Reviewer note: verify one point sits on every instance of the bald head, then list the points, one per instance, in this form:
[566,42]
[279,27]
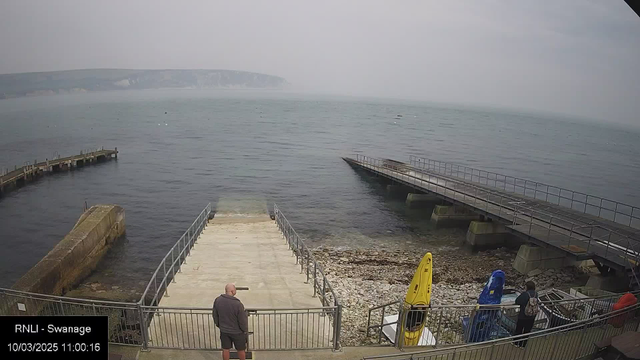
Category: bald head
[230,289]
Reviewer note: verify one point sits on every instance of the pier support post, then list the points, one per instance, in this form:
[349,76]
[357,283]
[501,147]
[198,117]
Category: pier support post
[422,200]
[613,282]
[400,191]
[452,216]
[531,257]
[486,234]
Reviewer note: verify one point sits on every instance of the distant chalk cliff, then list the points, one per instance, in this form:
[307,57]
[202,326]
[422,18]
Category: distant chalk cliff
[75,81]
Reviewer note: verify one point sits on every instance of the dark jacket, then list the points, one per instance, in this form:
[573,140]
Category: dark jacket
[229,315]
[523,300]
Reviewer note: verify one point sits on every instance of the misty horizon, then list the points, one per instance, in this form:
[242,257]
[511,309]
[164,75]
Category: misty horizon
[575,58]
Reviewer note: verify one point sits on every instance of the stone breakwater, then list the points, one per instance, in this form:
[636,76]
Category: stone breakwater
[363,278]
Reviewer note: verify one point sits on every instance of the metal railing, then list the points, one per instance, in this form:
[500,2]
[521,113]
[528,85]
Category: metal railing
[308,264]
[460,324]
[173,260]
[269,329]
[146,325]
[571,341]
[543,224]
[125,321]
[588,204]
[595,237]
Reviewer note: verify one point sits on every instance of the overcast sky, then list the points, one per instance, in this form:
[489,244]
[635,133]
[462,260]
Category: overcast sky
[570,56]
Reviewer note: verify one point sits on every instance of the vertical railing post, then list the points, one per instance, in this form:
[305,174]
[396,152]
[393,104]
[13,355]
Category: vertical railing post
[173,268]
[600,207]
[164,279]
[143,328]
[384,308]
[308,256]
[315,277]
[530,222]
[324,290]
[576,355]
[399,340]
[606,251]
[436,337]
[570,235]
[337,327]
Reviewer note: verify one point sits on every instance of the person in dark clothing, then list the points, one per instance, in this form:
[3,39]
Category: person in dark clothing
[525,321]
[230,317]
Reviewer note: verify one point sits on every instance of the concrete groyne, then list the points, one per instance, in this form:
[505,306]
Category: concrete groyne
[75,256]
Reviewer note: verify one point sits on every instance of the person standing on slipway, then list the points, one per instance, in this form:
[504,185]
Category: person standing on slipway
[230,317]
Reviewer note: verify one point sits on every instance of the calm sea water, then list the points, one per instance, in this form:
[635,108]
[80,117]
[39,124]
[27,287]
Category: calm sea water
[243,150]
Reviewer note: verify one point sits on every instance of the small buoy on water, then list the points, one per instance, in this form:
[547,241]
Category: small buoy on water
[165,112]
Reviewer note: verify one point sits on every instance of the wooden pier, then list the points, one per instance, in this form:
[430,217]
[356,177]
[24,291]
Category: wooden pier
[10,180]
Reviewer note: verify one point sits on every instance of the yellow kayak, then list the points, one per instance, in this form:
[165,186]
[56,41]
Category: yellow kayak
[418,298]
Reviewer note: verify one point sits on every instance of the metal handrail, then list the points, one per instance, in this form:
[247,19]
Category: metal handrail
[553,302]
[183,246]
[494,307]
[477,188]
[302,253]
[560,329]
[246,309]
[297,245]
[538,187]
[478,193]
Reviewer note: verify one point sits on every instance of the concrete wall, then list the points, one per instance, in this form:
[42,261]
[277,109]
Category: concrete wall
[75,256]
[486,234]
[531,257]
[445,215]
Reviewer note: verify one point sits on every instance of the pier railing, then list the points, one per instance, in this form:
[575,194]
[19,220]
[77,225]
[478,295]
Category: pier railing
[460,324]
[308,264]
[269,329]
[571,341]
[539,223]
[173,260]
[588,204]
[124,318]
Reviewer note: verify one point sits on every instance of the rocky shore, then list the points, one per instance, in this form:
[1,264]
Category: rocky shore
[363,278]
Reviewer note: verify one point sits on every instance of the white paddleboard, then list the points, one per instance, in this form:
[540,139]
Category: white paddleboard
[426,339]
